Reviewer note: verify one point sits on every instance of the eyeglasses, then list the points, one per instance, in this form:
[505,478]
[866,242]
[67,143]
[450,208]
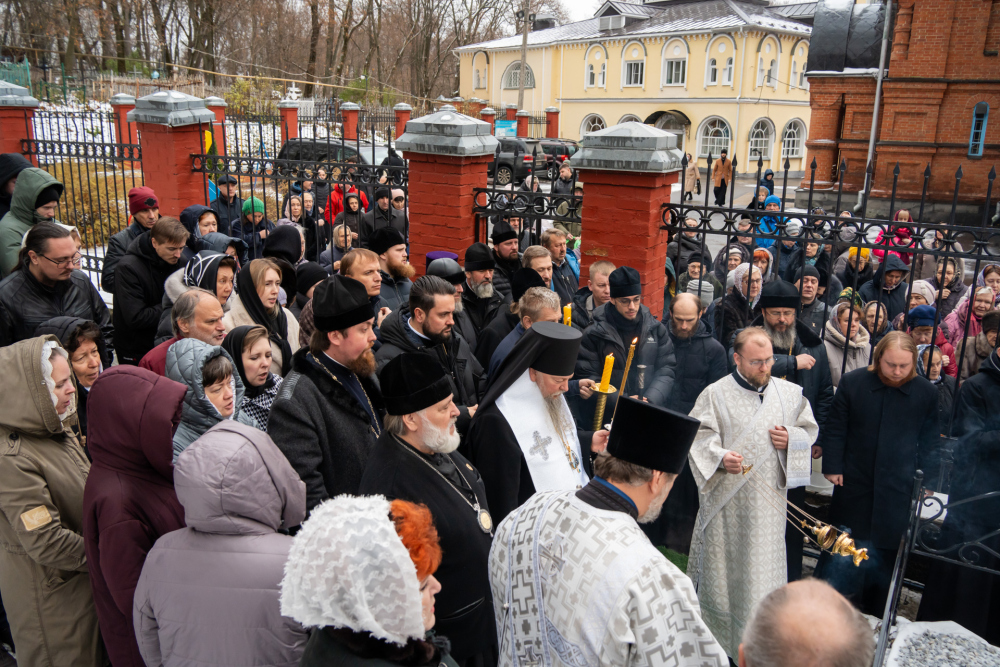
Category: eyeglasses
[63,263]
[759,363]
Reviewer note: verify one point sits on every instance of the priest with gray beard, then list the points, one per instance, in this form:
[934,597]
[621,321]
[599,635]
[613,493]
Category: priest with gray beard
[415,460]
[481,301]
[799,357]
[523,437]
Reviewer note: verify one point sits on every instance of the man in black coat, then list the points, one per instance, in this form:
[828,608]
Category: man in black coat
[381,215]
[228,204]
[813,310]
[46,286]
[139,286]
[415,460]
[888,286]
[506,256]
[687,245]
[497,330]
[144,208]
[701,360]
[881,428]
[425,326]
[616,324]
[11,164]
[328,413]
[481,302]
[594,295]
[800,357]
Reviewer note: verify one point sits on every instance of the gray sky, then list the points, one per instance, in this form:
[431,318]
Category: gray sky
[582,9]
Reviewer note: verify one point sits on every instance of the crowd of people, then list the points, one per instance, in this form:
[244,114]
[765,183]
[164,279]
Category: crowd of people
[310,457]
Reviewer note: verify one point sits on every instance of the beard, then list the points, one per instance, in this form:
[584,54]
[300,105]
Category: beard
[782,340]
[757,381]
[655,507]
[440,440]
[483,290]
[459,306]
[554,407]
[440,338]
[399,269]
[364,365]
[889,382]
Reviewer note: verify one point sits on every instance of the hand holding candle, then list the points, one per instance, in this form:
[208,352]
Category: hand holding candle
[567,315]
[609,363]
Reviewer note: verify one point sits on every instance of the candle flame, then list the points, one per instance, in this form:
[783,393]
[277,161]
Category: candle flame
[635,340]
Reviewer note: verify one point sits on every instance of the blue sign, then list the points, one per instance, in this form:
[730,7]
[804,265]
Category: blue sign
[505,128]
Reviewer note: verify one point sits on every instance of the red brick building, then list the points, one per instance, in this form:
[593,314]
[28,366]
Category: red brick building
[942,82]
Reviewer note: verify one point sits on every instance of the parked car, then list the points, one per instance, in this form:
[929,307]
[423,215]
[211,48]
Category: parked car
[321,150]
[517,157]
[559,150]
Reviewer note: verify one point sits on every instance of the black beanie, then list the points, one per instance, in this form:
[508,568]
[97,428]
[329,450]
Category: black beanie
[308,274]
[502,231]
[807,270]
[382,191]
[48,195]
[384,238]
[779,294]
[479,257]
[625,281]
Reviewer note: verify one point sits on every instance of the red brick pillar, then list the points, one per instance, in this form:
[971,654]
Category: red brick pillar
[17,113]
[170,127]
[552,123]
[125,132]
[349,113]
[447,154]
[403,112]
[488,115]
[476,105]
[629,170]
[522,117]
[289,110]
[217,105]
[824,123]
[511,112]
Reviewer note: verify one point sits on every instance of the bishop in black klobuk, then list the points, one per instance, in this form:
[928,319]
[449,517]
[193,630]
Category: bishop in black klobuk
[523,437]
[415,459]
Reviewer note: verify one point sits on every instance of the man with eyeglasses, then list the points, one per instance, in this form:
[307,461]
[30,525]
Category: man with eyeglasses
[46,286]
[144,208]
[800,357]
[754,442]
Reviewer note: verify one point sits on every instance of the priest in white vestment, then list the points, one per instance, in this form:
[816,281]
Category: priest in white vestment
[523,438]
[575,581]
[738,547]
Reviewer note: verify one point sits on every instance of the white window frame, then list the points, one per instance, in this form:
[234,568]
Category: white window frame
[629,118]
[509,80]
[796,150]
[589,120]
[669,60]
[755,141]
[794,80]
[712,72]
[475,79]
[760,72]
[602,76]
[772,74]
[591,77]
[627,73]
[596,70]
[669,67]
[727,73]
[717,143]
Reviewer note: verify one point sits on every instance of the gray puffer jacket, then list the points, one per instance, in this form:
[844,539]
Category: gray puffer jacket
[208,593]
[185,360]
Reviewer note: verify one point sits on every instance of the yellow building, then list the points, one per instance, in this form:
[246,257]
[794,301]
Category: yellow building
[722,73]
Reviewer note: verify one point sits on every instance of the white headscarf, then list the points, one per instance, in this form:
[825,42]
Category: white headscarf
[347,568]
[48,347]
[738,274]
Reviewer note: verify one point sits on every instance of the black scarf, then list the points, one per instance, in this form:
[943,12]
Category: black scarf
[233,344]
[277,325]
[627,329]
[426,651]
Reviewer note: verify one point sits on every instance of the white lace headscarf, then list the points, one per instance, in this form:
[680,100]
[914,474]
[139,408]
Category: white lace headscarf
[347,568]
[738,274]
[48,347]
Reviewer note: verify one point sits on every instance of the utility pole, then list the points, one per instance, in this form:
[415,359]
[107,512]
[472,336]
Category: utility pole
[525,18]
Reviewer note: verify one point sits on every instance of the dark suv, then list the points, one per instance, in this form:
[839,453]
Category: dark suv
[515,160]
[332,150]
[558,150]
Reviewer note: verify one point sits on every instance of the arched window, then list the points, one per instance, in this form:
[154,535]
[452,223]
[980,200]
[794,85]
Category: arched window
[977,137]
[791,139]
[761,138]
[592,123]
[713,137]
[772,74]
[727,73]
[629,118]
[602,76]
[674,63]
[591,76]
[803,81]
[512,77]
[713,72]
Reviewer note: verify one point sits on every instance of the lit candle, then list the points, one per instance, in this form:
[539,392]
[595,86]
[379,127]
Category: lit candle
[609,363]
[567,315]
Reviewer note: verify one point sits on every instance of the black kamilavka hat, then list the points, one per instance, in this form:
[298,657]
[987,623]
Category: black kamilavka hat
[558,352]
[412,382]
[340,303]
[650,436]
[625,281]
[522,281]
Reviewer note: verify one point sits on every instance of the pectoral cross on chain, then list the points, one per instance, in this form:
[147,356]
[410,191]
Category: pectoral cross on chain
[541,446]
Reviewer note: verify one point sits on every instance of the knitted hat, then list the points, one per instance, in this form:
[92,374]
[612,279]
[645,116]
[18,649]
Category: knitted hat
[921,316]
[625,281]
[412,382]
[808,270]
[773,199]
[141,199]
[853,252]
[479,257]
[924,289]
[991,321]
[502,231]
[382,191]
[253,205]
[384,238]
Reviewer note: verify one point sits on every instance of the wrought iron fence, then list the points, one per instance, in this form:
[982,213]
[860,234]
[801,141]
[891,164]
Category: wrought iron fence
[97,169]
[537,125]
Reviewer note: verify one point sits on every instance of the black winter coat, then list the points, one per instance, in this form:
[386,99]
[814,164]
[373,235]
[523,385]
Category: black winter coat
[25,303]
[494,333]
[250,234]
[321,429]
[229,213]
[701,360]
[682,249]
[654,350]
[877,437]
[464,607]
[895,300]
[138,303]
[456,358]
[561,187]
[478,313]
[583,309]
[732,314]
[502,275]
[377,219]
[117,247]
[395,291]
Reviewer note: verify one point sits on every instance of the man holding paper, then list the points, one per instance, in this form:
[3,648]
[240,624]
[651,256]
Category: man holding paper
[523,438]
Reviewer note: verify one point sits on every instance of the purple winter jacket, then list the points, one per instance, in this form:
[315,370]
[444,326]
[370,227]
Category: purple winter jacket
[208,593]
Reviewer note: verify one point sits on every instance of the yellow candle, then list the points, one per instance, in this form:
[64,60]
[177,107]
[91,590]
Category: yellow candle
[609,363]
[567,315]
